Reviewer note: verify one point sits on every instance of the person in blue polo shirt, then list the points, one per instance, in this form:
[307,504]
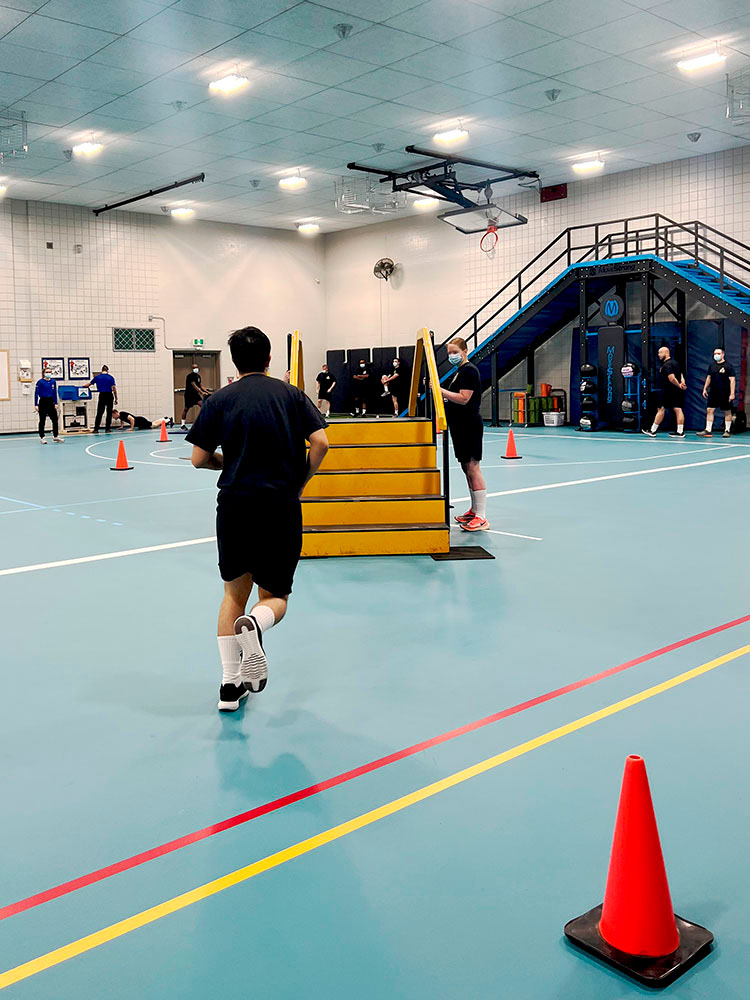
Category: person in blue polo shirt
[107,390]
[46,405]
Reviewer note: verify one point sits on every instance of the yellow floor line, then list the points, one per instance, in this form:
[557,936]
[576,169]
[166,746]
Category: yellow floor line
[154,913]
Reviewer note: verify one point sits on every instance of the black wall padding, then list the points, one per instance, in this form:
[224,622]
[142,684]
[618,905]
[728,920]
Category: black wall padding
[337,366]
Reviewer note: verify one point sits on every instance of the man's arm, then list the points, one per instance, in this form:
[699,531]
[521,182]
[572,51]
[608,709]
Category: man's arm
[461,398]
[203,459]
[114,392]
[706,384]
[732,387]
[674,380]
[131,421]
[318,450]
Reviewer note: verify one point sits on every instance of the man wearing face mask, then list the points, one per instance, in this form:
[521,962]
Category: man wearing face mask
[361,379]
[392,384]
[194,394]
[718,390]
[46,405]
[671,388]
[463,395]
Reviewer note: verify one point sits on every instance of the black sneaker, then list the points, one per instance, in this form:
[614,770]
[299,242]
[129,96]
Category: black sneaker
[726,434]
[253,664]
[230,696]
[676,434]
[648,433]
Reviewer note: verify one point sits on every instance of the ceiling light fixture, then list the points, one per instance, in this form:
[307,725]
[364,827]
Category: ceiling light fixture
[294,182]
[183,212]
[3,189]
[343,30]
[694,136]
[228,84]
[552,94]
[88,148]
[702,62]
[451,136]
[424,204]
[307,228]
[589,166]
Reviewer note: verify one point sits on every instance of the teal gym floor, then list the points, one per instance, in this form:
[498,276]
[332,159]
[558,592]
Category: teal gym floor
[607,548]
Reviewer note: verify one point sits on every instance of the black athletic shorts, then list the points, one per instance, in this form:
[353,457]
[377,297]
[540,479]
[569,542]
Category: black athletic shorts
[467,439]
[191,400]
[672,399]
[326,396]
[717,401]
[260,536]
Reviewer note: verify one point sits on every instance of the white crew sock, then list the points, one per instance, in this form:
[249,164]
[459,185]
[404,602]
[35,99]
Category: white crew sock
[709,425]
[680,429]
[654,428]
[229,651]
[728,423]
[471,506]
[264,616]
[480,503]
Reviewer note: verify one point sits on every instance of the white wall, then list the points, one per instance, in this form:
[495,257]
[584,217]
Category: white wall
[204,278]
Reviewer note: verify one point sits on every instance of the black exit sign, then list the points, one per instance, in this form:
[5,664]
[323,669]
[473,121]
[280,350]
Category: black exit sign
[556,192]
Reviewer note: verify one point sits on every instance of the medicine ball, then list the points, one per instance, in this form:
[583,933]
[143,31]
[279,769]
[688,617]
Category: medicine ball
[587,386]
[587,423]
[588,371]
[629,369]
[630,421]
[588,403]
[628,406]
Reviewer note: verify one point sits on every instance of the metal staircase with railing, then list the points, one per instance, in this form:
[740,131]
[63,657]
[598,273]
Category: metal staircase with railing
[564,282]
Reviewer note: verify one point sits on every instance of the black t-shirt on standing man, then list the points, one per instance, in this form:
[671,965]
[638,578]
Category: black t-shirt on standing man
[325,380]
[720,373]
[192,384]
[467,377]
[669,367]
[262,425]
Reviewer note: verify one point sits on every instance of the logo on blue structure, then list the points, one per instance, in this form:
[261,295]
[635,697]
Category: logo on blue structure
[610,372]
[612,307]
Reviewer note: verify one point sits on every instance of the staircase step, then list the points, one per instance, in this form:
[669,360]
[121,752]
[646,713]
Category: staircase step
[330,483]
[363,430]
[337,511]
[380,456]
[375,540]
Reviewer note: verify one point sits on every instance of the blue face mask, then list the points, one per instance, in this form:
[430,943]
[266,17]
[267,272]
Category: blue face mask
[454,359]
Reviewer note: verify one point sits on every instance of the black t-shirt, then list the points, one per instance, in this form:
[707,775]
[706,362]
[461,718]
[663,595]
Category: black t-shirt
[325,380]
[262,425]
[192,384]
[670,367]
[720,373]
[361,385]
[467,377]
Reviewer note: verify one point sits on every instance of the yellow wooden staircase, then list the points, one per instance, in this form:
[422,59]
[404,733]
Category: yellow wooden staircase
[378,491]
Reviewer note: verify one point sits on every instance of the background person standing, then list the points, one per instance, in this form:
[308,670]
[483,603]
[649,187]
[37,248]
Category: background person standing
[194,393]
[719,389]
[107,390]
[361,379]
[326,384]
[46,405]
[671,388]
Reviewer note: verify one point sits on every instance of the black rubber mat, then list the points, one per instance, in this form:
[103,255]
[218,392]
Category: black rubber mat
[461,552]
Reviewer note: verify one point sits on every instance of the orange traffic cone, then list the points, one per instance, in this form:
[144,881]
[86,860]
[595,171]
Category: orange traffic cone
[163,437]
[635,928]
[121,465]
[510,451]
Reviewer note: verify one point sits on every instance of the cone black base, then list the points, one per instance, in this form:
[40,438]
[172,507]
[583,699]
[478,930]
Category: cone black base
[695,944]
[512,458]
[113,468]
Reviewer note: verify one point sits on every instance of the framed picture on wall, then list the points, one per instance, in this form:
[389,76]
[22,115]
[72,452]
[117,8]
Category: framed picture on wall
[55,367]
[79,368]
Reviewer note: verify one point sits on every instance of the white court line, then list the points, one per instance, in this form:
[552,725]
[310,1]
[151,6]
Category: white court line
[88,503]
[26,502]
[601,461]
[512,534]
[135,461]
[602,479]
[13,570]
[599,438]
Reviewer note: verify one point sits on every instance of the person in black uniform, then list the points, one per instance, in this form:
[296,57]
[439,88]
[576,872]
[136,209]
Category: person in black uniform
[361,380]
[392,385]
[134,423]
[262,426]
[194,393]
[463,395]
[719,389]
[326,385]
[671,394]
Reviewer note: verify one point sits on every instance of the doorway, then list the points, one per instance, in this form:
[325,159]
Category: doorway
[182,363]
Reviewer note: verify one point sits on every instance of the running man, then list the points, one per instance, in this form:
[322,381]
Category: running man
[361,379]
[107,389]
[463,396]
[326,385]
[46,405]
[671,390]
[262,426]
[194,394]
[719,389]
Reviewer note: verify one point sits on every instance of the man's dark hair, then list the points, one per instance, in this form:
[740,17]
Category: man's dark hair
[104,368]
[250,349]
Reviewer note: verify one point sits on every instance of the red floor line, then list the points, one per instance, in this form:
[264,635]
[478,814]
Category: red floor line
[305,793]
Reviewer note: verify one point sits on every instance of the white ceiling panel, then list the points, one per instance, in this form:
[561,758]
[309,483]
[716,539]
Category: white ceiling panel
[119,16]
[9,18]
[494,79]
[186,32]
[294,117]
[364,8]
[146,57]
[588,107]
[612,71]
[386,84]
[436,19]
[337,102]
[534,95]
[252,51]
[45,114]
[696,14]
[75,98]
[300,142]
[633,32]
[254,132]
[323,67]
[443,62]
[345,129]
[58,37]
[309,24]
[12,87]
[570,132]
[440,98]
[381,45]
[557,57]
[111,79]
[505,38]
[32,62]
[245,13]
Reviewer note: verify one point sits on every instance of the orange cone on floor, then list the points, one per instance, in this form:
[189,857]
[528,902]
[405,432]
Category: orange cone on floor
[163,437]
[510,450]
[635,929]
[121,465]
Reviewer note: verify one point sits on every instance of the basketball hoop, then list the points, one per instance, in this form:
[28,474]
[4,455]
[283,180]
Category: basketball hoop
[489,239]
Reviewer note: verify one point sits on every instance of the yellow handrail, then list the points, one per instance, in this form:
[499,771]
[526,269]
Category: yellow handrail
[297,370]
[426,352]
